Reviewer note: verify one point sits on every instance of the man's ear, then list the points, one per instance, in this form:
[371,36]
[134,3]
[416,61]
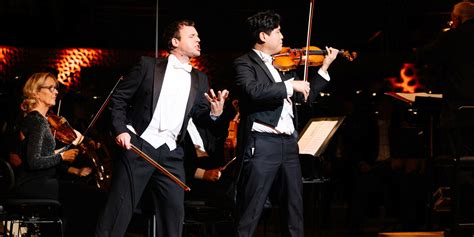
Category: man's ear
[175,42]
[262,36]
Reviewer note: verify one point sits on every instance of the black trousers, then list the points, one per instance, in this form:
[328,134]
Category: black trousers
[267,158]
[130,177]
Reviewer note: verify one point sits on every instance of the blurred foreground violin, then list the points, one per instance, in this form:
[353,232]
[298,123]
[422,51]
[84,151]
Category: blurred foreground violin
[289,59]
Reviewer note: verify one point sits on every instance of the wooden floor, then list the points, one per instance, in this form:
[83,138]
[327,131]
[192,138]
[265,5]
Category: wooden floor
[332,224]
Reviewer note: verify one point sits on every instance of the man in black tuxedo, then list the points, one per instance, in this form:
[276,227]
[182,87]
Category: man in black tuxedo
[267,145]
[151,109]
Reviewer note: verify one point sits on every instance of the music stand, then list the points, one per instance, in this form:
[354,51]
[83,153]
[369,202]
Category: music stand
[428,104]
[315,137]
[313,141]
[317,134]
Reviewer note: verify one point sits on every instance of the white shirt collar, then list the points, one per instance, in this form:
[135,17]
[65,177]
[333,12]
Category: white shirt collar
[173,60]
[265,57]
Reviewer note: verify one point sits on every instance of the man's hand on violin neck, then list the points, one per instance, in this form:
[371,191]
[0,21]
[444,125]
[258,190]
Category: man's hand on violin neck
[329,58]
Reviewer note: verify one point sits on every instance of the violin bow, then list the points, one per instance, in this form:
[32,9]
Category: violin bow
[308,39]
[102,107]
[228,163]
[159,167]
[59,108]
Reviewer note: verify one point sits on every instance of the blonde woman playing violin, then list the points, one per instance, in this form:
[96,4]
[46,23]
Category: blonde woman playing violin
[40,162]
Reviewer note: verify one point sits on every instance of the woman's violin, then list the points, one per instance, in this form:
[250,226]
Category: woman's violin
[289,59]
[61,129]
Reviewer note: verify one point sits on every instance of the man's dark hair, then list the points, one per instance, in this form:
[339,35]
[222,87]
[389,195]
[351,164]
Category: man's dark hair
[265,21]
[172,31]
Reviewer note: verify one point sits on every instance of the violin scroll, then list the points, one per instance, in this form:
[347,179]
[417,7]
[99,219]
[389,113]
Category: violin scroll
[348,55]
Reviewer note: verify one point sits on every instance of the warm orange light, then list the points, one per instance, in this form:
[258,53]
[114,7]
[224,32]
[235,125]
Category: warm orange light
[71,61]
[7,57]
[408,81]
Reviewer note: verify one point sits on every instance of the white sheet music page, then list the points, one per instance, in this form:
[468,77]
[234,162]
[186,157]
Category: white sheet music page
[314,136]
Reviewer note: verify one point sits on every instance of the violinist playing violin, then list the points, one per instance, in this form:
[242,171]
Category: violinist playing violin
[267,140]
[41,163]
[40,159]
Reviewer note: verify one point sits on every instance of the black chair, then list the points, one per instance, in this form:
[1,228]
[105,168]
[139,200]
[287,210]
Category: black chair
[29,213]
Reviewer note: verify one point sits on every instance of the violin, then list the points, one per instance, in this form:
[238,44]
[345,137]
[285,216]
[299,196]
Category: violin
[103,169]
[61,129]
[289,59]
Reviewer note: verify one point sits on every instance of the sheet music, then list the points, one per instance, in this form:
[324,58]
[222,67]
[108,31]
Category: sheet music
[315,135]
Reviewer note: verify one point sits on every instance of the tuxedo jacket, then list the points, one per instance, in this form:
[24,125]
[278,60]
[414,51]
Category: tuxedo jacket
[260,98]
[136,97]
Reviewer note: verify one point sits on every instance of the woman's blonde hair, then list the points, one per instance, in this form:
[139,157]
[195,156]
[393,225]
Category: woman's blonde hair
[32,86]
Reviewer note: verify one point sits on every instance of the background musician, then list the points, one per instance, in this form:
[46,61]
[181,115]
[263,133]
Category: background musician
[450,56]
[37,175]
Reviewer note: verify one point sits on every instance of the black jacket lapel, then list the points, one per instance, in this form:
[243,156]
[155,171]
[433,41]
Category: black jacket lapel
[193,91]
[259,61]
[160,69]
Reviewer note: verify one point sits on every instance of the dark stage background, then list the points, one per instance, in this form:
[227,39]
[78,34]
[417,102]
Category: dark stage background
[91,43]
[383,33]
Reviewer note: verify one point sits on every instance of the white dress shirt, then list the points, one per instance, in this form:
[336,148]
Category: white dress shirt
[285,123]
[168,116]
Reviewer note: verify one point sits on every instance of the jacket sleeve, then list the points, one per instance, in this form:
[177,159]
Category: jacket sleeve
[35,156]
[123,95]
[257,89]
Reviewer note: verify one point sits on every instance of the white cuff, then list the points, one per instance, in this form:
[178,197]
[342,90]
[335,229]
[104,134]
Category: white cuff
[214,117]
[324,74]
[199,174]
